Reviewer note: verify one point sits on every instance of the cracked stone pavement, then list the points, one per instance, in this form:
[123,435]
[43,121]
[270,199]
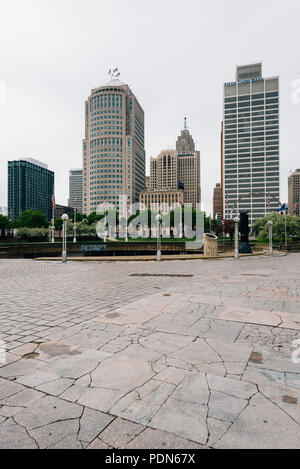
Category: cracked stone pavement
[97,358]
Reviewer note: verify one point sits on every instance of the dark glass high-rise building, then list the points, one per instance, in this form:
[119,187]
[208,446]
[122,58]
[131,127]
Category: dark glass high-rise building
[30,187]
[250,142]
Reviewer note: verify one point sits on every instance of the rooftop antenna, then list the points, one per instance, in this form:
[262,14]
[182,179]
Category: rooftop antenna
[185,124]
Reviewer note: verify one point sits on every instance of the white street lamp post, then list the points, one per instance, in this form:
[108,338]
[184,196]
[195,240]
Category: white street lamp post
[126,221]
[75,227]
[285,229]
[158,219]
[64,218]
[181,221]
[236,237]
[270,223]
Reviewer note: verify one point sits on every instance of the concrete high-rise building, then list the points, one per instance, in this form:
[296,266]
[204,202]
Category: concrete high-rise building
[163,171]
[250,164]
[188,168]
[30,187]
[217,201]
[113,148]
[294,193]
[222,171]
[163,200]
[75,188]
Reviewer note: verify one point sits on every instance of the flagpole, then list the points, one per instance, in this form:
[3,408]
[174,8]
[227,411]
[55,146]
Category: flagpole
[285,231]
[52,240]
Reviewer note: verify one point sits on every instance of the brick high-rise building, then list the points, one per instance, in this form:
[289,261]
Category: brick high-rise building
[30,187]
[251,143]
[113,148]
[217,201]
[294,193]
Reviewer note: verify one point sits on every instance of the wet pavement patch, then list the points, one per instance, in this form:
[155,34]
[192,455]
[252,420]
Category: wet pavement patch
[30,356]
[56,350]
[255,275]
[112,315]
[256,357]
[162,275]
[290,400]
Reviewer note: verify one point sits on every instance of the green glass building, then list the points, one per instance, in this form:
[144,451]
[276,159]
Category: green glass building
[30,187]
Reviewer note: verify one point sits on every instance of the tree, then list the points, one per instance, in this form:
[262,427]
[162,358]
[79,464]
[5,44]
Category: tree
[79,216]
[260,227]
[4,225]
[4,222]
[93,218]
[58,224]
[31,219]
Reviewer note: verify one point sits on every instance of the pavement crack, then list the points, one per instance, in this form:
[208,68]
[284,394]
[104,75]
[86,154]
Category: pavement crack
[27,432]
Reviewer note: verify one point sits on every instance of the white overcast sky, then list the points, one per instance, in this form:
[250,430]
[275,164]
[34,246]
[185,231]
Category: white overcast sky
[175,55]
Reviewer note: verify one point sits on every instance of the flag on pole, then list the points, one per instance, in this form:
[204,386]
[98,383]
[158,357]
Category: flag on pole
[268,199]
[53,202]
[283,208]
[75,203]
[296,205]
[227,201]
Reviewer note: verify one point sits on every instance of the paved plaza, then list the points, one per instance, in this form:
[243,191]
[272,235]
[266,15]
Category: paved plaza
[178,354]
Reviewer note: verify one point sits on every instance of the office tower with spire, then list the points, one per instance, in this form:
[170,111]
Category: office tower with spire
[250,165]
[178,170]
[188,167]
[113,148]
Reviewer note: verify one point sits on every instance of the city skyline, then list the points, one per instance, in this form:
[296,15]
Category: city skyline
[51,96]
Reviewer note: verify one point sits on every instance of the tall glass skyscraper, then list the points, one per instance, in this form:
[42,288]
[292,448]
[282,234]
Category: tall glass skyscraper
[113,148]
[30,187]
[250,160]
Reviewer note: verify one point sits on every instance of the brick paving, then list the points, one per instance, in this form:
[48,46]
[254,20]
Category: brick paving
[99,358]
